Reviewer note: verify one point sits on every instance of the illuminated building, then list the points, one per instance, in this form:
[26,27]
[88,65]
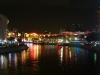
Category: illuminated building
[15,32]
[3,26]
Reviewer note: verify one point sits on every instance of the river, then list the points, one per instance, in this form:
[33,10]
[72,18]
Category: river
[50,60]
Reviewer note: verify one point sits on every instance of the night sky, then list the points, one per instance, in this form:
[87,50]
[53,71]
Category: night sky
[51,15]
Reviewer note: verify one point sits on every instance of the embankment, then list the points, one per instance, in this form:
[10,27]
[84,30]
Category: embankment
[13,49]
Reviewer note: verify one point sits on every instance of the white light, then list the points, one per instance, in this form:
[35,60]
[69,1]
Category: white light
[75,34]
[9,59]
[70,54]
[66,41]
[61,40]
[5,40]
[2,60]
[70,38]
[76,38]
[15,40]
[61,55]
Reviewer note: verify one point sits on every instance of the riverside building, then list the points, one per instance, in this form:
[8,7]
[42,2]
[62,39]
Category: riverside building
[3,26]
[97,20]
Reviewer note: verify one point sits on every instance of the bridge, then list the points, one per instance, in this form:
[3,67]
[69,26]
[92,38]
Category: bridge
[64,37]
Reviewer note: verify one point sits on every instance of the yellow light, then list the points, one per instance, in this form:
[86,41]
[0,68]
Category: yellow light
[44,35]
[19,34]
[40,39]
[27,35]
[48,35]
[9,33]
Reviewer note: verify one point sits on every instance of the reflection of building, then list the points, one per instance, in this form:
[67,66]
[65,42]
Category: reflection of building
[3,26]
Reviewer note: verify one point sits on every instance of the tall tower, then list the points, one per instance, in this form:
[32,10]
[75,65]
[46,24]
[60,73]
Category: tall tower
[98,20]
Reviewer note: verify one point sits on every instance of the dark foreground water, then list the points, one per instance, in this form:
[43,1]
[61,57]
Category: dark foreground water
[50,60]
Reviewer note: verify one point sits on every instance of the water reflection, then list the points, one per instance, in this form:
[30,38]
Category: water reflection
[50,60]
[12,59]
[74,59]
[3,62]
[61,55]
[95,58]
[35,52]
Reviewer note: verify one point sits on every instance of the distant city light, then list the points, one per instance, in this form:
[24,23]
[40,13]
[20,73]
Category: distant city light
[76,38]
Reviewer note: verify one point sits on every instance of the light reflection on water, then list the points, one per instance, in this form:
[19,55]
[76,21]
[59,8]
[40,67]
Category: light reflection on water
[50,60]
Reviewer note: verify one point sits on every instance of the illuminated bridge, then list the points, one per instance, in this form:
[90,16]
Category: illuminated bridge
[64,37]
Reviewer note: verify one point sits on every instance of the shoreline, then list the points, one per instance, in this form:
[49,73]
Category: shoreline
[13,49]
[92,48]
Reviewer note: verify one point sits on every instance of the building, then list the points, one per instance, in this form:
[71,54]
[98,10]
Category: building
[3,26]
[98,20]
[78,27]
[74,27]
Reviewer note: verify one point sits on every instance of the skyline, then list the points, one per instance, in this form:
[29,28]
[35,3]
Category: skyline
[38,16]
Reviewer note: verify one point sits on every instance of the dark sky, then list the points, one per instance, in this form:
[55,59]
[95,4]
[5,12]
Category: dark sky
[50,15]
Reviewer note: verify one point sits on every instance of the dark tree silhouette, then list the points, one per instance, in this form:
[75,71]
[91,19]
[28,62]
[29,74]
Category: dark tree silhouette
[93,37]
[11,38]
[19,40]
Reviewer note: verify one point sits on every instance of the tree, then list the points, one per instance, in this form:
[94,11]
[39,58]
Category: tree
[11,39]
[93,37]
[19,40]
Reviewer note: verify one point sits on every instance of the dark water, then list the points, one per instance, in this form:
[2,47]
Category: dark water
[50,60]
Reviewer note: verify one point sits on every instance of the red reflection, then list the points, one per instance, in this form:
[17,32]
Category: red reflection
[34,52]
[23,56]
[59,47]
